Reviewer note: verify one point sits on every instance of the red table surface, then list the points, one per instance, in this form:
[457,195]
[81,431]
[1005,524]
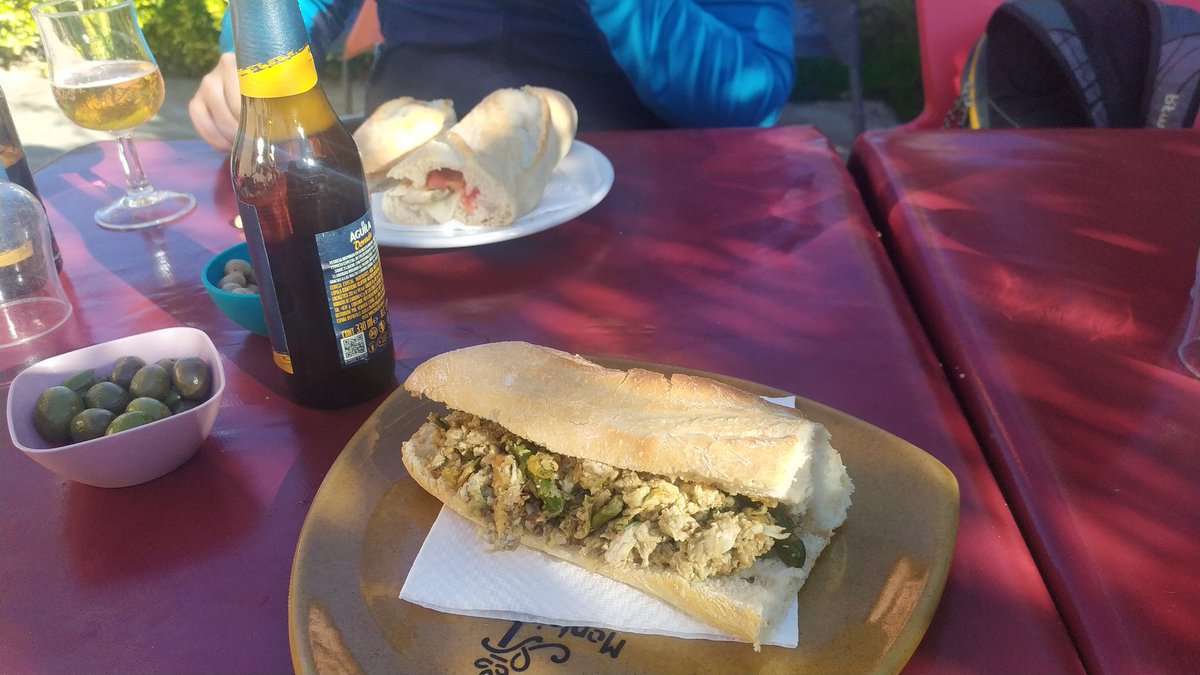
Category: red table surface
[744,252]
[1052,269]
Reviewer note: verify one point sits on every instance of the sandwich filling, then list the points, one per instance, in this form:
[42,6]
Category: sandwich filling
[443,190]
[624,517]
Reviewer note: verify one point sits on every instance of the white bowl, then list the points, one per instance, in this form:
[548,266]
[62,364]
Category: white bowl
[132,456]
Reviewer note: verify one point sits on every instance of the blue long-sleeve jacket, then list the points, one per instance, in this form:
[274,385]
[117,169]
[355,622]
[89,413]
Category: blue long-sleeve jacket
[700,63]
[694,63]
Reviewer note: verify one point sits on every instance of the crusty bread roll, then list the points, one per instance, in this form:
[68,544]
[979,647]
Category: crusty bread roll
[563,116]
[395,129]
[680,428]
[489,169]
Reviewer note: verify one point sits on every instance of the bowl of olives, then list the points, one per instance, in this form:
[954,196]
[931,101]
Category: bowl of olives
[122,412]
[229,280]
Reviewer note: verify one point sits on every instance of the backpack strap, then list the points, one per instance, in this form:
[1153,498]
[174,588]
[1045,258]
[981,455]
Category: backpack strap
[970,109]
[1172,93]
[1116,35]
[1048,24]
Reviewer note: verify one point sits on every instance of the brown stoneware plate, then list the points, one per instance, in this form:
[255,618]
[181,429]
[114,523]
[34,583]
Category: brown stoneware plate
[864,609]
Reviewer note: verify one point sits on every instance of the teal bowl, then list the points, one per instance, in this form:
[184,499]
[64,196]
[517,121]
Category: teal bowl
[245,310]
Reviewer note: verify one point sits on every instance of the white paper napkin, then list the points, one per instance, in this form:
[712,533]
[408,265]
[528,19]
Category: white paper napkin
[456,572]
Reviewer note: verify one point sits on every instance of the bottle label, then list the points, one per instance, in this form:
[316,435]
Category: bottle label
[287,75]
[9,156]
[354,289]
[266,286]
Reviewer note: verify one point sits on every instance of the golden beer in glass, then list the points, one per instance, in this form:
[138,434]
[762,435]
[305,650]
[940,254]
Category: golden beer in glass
[110,96]
[104,77]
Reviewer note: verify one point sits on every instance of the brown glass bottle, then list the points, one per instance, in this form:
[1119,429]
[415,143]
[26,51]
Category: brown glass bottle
[16,165]
[302,196]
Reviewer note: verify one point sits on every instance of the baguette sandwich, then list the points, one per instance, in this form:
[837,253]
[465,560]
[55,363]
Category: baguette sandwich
[488,169]
[700,494]
[395,129]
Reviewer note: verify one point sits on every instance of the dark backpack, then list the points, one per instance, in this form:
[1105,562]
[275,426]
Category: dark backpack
[1083,63]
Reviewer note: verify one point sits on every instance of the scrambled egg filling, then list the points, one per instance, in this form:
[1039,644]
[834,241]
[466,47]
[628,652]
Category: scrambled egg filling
[625,517]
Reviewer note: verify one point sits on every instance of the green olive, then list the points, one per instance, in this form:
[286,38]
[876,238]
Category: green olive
[127,421]
[153,407]
[90,423]
[790,550]
[81,381]
[150,381]
[611,509]
[192,377]
[107,395]
[167,364]
[184,405]
[172,398]
[53,412]
[125,368]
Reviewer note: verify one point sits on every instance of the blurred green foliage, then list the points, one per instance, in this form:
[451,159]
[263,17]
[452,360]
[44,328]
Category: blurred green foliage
[891,61]
[181,33]
[820,79]
[892,57]
[18,35]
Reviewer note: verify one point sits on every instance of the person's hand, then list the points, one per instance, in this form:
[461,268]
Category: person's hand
[217,105]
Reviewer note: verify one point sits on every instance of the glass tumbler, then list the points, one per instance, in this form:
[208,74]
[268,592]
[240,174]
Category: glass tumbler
[1189,348]
[32,299]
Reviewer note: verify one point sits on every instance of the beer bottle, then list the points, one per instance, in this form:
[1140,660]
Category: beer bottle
[303,200]
[16,165]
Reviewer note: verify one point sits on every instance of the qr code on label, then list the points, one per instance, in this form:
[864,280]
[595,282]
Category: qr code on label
[354,347]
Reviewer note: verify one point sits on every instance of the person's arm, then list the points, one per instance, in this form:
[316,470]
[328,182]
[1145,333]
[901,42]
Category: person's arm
[699,63]
[217,104]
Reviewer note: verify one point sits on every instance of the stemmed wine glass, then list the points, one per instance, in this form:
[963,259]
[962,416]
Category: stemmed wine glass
[104,77]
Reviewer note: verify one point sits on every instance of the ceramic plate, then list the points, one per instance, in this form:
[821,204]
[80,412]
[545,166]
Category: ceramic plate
[865,607]
[578,183]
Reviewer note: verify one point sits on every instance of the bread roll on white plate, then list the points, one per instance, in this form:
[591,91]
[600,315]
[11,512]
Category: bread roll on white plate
[489,169]
[395,129]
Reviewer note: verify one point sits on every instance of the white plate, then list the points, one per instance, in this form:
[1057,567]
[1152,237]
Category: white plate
[578,183]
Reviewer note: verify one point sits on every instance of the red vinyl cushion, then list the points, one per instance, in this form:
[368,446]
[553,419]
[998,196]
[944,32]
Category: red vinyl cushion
[1052,270]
